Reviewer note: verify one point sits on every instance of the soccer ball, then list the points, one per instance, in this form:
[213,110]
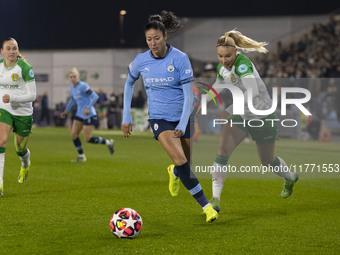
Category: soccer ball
[126,223]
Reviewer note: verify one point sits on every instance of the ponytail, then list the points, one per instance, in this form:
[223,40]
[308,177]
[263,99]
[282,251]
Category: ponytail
[235,39]
[166,22]
[22,57]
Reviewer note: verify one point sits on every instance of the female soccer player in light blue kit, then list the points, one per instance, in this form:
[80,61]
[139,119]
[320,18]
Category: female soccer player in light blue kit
[167,76]
[86,116]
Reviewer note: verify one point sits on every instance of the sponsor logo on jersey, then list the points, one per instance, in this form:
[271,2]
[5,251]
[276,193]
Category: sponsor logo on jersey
[188,71]
[15,77]
[171,68]
[5,86]
[242,68]
[160,81]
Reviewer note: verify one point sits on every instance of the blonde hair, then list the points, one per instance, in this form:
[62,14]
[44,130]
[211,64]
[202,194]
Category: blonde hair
[22,57]
[75,71]
[234,38]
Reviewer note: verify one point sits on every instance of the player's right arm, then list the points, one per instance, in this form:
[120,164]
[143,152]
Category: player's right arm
[219,81]
[128,94]
[67,108]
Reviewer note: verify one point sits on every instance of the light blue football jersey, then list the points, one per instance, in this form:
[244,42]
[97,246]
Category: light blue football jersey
[163,79]
[81,95]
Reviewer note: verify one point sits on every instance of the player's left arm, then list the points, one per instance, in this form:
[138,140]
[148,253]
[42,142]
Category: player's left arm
[93,97]
[244,69]
[187,108]
[249,81]
[186,78]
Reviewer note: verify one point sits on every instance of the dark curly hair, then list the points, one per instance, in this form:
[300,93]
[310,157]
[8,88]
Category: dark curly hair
[166,22]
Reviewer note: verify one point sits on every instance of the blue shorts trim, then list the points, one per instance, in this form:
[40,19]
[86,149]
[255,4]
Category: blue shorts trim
[160,125]
[92,121]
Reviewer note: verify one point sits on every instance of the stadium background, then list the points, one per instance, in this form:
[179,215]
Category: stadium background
[94,37]
[64,208]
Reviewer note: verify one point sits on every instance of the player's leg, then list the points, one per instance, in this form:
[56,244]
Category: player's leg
[87,131]
[24,154]
[5,130]
[173,177]
[22,126]
[267,157]
[265,138]
[182,169]
[102,117]
[231,137]
[187,145]
[77,126]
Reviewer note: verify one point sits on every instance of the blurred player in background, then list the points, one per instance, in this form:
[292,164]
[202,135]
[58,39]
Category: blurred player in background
[236,69]
[167,76]
[17,92]
[102,109]
[86,116]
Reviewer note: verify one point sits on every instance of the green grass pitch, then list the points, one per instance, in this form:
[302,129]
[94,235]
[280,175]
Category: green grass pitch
[65,208]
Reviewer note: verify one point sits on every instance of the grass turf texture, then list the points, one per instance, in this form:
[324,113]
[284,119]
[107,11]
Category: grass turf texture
[65,208]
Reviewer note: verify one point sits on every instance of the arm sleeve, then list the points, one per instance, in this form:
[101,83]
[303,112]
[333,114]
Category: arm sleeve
[29,96]
[249,81]
[187,109]
[69,104]
[128,93]
[93,99]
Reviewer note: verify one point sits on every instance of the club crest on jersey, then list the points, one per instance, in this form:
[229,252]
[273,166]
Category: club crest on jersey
[15,77]
[155,126]
[171,68]
[233,78]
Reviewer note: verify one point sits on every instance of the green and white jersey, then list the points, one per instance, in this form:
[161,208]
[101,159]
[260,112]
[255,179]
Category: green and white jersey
[17,81]
[243,67]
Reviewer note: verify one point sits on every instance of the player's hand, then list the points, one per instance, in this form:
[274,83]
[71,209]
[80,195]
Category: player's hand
[5,98]
[87,111]
[63,115]
[178,133]
[127,129]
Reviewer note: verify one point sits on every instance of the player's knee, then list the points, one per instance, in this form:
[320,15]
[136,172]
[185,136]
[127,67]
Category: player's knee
[3,142]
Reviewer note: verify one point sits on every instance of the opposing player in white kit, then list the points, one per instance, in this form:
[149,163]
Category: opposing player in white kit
[17,92]
[236,69]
